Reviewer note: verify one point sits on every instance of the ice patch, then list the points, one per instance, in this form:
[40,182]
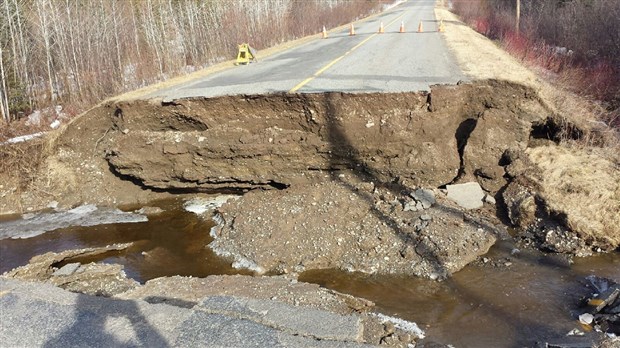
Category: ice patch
[219,222]
[404,325]
[239,262]
[243,263]
[83,209]
[31,225]
[200,206]
[23,138]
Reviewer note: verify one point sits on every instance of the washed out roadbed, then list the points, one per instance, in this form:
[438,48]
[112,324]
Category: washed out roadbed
[362,182]
[330,177]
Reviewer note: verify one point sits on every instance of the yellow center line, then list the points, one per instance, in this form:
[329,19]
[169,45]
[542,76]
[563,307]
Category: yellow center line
[330,64]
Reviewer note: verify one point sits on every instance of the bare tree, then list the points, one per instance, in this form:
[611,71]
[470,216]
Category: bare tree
[4,101]
[518,15]
[42,12]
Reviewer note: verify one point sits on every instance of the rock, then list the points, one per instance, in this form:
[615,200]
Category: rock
[468,195]
[494,132]
[419,206]
[561,240]
[491,178]
[410,206]
[424,196]
[521,204]
[586,318]
[67,269]
[489,199]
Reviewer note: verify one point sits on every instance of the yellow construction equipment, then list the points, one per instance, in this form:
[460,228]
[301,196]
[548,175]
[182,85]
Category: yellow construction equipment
[246,54]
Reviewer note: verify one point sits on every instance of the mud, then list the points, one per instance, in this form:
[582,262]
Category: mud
[65,271]
[279,140]
[361,154]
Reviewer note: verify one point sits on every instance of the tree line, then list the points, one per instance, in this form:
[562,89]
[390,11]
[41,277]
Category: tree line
[80,51]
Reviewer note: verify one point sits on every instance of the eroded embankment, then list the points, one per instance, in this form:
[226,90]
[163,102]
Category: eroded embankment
[279,140]
[358,157]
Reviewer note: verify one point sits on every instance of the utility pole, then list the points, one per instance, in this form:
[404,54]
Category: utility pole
[518,16]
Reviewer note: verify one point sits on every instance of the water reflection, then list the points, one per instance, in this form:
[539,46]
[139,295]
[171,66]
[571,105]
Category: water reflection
[171,243]
[484,305]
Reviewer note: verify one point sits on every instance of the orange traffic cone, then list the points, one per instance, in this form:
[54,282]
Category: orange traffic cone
[381,29]
[324,33]
[402,27]
[352,31]
[441,27]
[420,28]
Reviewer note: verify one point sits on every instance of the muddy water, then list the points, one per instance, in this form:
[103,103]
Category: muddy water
[171,243]
[511,300]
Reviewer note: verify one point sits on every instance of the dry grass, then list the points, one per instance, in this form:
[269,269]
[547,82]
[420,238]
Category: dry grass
[585,187]
[19,168]
[21,161]
[580,178]
[480,58]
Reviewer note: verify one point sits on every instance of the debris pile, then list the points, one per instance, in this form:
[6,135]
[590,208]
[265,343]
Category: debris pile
[604,306]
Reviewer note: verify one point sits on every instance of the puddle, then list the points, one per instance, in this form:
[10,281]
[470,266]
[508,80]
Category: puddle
[484,305]
[171,243]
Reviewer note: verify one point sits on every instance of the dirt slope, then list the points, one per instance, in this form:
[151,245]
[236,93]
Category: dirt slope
[276,141]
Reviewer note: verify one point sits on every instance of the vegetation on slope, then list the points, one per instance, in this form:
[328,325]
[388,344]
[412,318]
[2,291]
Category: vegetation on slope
[576,41]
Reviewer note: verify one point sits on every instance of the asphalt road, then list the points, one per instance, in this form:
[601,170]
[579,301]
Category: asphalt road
[365,62]
[41,315]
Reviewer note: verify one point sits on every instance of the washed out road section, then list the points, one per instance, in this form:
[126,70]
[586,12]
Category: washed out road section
[365,62]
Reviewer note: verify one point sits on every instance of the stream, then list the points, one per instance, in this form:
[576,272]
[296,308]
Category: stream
[510,298]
